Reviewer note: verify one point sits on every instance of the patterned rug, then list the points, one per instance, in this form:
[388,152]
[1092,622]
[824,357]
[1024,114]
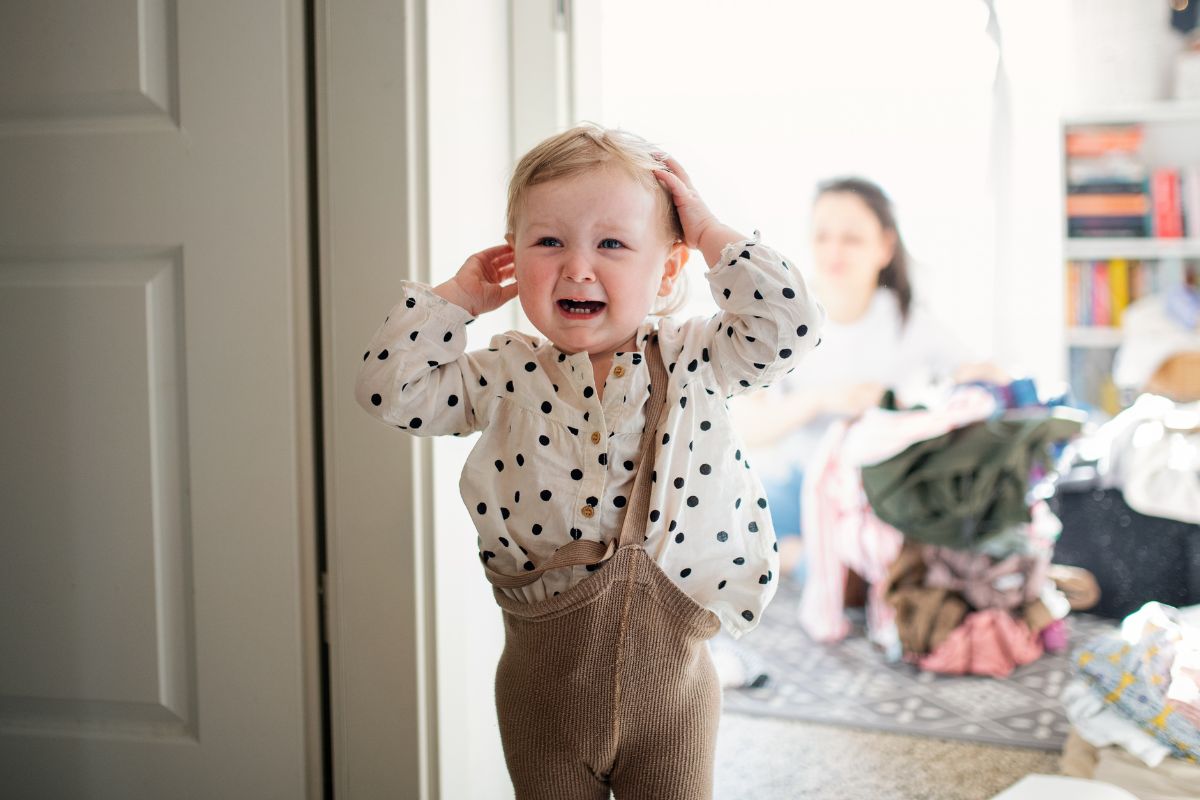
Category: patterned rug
[849,683]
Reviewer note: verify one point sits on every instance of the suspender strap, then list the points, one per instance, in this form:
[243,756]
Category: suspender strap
[633,529]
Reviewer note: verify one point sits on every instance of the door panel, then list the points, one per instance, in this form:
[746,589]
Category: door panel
[157,590]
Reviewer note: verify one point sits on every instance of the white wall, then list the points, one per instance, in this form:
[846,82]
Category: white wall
[762,102]
[469,146]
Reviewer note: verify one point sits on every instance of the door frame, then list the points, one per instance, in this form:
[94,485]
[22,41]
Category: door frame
[372,125]
[372,200]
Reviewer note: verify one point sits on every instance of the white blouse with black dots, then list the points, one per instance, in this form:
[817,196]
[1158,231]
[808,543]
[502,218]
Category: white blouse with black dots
[555,462]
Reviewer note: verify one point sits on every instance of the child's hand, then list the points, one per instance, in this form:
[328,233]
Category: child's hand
[477,285]
[701,229]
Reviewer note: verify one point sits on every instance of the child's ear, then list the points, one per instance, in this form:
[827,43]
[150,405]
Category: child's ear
[676,260]
[508,237]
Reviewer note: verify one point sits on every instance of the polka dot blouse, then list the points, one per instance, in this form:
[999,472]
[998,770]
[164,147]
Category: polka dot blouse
[556,463]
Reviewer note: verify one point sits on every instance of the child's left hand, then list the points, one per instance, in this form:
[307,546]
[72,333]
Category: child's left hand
[701,229]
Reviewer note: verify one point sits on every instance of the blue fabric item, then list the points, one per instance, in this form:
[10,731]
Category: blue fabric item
[1183,306]
[783,500]
[1024,392]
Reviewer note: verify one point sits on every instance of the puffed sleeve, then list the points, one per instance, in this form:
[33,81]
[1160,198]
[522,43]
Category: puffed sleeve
[415,374]
[768,320]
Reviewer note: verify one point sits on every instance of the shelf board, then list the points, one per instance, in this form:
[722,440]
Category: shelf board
[1082,248]
[1160,111]
[1093,337]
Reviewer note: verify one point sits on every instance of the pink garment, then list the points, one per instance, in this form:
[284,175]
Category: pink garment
[840,530]
[989,642]
[1054,637]
[983,581]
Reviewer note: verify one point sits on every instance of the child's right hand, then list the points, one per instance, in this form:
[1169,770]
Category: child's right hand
[477,285]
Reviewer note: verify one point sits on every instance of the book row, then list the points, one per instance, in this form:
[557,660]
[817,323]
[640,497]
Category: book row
[1098,292]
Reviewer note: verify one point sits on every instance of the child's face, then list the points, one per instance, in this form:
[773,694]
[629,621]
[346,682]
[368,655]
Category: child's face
[592,254]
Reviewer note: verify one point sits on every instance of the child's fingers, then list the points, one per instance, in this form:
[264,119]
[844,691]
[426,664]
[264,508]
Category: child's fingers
[494,251]
[674,185]
[498,273]
[677,169]
[508,292]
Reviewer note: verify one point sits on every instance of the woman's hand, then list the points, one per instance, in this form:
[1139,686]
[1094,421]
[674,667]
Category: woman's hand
[701,229]
[479,286]
[854,400]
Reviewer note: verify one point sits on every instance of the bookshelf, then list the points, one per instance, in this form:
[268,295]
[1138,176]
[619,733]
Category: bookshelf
[1131,176]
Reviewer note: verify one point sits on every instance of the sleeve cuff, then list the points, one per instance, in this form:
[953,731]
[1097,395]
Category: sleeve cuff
[439,307]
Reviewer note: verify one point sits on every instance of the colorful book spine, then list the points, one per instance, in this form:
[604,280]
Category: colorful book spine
[1108,185]
[1107,205]
[1118,289]
[1168,212]
[1085,295]
[1101,306]
[1092,227]
[1072,293]
[1140,282]
[1101,140]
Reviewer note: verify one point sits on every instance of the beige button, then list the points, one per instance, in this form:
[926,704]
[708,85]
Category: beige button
[618,370]
[587,511]
[595,437]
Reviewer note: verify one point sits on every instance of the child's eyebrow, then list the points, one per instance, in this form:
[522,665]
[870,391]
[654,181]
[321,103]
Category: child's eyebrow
[605,227]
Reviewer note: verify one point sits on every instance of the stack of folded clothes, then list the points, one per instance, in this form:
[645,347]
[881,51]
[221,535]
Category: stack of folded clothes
[1134,705]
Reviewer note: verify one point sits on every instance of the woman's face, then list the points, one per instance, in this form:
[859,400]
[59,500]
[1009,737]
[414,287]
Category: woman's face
[850,246]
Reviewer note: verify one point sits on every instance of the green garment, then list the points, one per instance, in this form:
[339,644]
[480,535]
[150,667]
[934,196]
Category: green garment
[960,488]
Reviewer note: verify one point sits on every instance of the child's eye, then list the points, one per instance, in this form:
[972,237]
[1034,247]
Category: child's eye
[610,244]
[548,241]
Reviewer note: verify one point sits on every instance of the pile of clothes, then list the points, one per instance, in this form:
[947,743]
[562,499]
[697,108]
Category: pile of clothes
[1151,452]
[934,507]
[1134,705]
[1129,500]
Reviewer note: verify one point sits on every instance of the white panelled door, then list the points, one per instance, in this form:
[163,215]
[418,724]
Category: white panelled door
[156,515]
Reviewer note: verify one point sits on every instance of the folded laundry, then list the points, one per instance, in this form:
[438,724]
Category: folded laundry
[1101,725]
[1148,672]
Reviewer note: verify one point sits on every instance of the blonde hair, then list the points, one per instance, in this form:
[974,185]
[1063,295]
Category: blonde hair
[589,146]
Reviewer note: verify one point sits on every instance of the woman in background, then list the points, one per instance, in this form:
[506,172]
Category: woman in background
[876,338]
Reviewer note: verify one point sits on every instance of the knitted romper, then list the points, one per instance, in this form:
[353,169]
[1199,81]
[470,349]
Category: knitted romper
[610,684]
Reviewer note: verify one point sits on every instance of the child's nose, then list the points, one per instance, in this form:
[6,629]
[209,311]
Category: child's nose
[578,268]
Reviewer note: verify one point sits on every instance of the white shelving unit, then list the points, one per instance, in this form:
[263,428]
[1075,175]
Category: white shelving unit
[1171,138]
[1084,249]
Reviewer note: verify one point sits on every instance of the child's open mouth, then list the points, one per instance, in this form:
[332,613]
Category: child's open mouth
[581,308]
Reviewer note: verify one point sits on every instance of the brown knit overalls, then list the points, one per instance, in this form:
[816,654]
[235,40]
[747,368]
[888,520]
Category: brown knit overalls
[610,684]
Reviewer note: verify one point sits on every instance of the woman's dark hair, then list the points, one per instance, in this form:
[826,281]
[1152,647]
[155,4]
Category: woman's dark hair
[895,275]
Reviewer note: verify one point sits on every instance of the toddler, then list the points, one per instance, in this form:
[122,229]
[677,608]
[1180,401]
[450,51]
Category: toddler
[618,519]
